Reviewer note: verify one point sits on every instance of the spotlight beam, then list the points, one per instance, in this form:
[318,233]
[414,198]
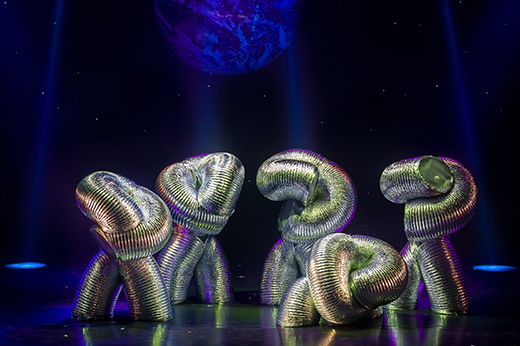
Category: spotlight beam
[466,128]
[36,187]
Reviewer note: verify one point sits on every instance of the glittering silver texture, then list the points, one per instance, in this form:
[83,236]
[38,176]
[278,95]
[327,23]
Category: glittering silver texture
[212,274]
[409,299]
[428,220]
[132,223]
[349,278]
[280,271]
[422,176]
[201,192]
[297,308]
[443,277]
[324,194]
[177,262]
[319,199]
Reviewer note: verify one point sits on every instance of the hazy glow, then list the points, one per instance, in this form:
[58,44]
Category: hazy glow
[25,265]
[494,268]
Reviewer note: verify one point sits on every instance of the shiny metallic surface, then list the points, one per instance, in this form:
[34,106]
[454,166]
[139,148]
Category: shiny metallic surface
[428,218]
[137,221]
[98,290]
[443,276]
[297,308]
[409,299]
[422,176]
[319,199]
[133,223]
[201,192]
[380,275]
[280,271]
[177,261]
[322,188]
[303,252]
[427,222]
[145,291]
[351,276]
[212,274]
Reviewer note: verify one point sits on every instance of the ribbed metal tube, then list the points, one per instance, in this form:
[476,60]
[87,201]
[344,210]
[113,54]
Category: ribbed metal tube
[98,290]
[422,176]
[212,274]
[380,275]
[202,191]
[280,271]
[350,276]
[409,299]
[132,224]
[297,308]
[132,221]
[443,276]
[324,194]
[145,290]
[177,261]
[428,218]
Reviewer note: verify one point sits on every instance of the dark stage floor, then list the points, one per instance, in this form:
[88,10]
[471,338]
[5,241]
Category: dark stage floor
[36,306]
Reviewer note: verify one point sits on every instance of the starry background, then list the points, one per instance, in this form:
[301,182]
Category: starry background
[93,86]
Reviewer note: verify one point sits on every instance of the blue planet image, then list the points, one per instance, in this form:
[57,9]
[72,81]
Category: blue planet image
[228,36]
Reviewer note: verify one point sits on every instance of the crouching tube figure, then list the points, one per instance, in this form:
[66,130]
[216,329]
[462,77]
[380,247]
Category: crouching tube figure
[132,223]
[343,277]
[201,192]
[440,196]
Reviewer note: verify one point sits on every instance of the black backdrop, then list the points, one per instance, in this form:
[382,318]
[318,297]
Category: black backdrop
[376,82]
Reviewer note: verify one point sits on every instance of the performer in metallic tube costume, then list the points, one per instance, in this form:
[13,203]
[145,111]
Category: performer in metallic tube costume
[343,277]
[319,199]
[132,223]
[201,192]
[440,196]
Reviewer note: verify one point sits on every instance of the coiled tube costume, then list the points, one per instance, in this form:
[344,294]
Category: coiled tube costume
[319,199]
[132,223]
[344,277]
[440,196]
[201,192]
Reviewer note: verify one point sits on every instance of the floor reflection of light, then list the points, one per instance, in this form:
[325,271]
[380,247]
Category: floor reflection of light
[494,268]
[25,265]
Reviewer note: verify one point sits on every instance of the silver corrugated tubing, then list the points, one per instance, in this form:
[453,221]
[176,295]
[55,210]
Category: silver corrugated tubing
[177,262]
[430,217]
[201,192]
[280,271]
[132,223]
[323,195]
[297,308]
[319,199]
[212,274]
[352,276]
[98,289]
[443,277]
[409,299]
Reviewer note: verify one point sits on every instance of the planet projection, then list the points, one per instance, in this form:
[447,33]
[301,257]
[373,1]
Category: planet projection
[228,36]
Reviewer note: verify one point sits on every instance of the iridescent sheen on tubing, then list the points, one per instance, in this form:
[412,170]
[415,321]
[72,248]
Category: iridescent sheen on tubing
[319,199]
[431,215]
[348,278]
[201,192]
[132,223]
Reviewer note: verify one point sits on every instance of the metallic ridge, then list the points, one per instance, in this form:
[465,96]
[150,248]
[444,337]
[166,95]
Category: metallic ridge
[428,220]
[132,223]
[201,192]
